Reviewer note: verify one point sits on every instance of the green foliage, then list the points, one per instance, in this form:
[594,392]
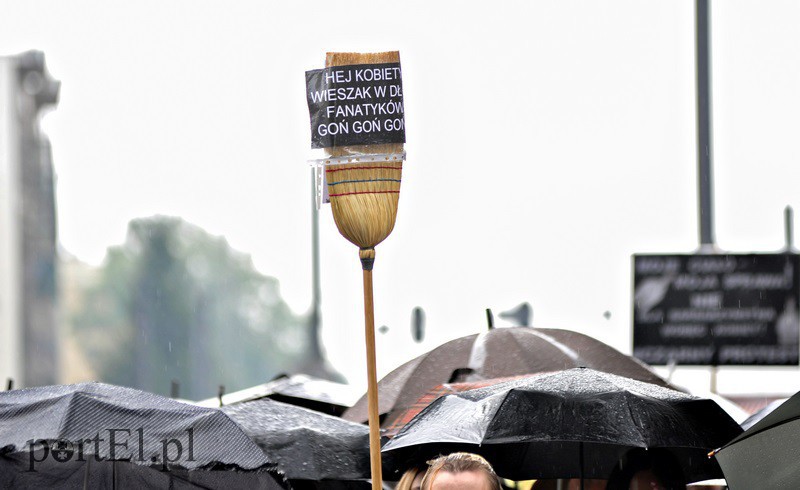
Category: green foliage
[174,302]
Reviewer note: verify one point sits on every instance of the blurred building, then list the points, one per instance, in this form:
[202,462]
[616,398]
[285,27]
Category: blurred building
[28,334]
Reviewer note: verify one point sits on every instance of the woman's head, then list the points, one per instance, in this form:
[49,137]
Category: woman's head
[460,470]
[412,478]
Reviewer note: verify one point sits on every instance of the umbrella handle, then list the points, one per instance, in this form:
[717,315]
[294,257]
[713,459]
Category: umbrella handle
[372,384]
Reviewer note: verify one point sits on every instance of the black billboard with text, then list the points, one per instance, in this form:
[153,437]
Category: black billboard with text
[725,309]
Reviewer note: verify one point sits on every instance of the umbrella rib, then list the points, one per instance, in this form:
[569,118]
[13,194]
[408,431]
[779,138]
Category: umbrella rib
[633,422]
[477,353]
[570,352]
[70,401]
[495,411]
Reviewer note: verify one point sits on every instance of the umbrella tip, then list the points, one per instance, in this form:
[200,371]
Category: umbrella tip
[220,392]
[489,318]
[175,389]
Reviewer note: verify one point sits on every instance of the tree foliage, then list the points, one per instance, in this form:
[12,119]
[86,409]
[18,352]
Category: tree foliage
[175,303]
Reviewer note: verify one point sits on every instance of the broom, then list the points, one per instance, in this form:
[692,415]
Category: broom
[364,193]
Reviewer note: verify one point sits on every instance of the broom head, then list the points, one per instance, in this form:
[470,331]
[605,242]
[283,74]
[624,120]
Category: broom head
[364,192]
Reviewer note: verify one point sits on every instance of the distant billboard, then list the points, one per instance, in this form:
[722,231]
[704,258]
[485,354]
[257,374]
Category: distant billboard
[721,309]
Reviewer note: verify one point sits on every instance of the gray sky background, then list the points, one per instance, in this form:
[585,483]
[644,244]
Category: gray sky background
[547,142]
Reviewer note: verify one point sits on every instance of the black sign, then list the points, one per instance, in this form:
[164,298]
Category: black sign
[356,105]
[716,309]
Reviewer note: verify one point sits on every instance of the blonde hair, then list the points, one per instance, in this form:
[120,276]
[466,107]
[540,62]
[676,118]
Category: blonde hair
[458,463]
[408,477]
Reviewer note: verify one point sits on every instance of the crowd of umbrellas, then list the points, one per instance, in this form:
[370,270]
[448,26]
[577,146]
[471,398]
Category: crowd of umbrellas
[538,404]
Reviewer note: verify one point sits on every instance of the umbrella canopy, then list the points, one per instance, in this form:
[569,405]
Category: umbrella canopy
[299,389]
[573,423]
[399,418]
[15,473]
[306,445]
[63,427]
[766,454]
[737,413]
[499,353]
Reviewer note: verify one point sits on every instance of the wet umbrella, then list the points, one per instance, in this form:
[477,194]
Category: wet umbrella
[310,448]
[15,473]
[88,432]
[399,418]
[766,454]
[499,353]
[576,423]
[733,409]
[299,389]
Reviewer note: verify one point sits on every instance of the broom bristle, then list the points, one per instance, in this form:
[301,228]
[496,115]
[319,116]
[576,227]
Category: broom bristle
[364,200]
[364,196]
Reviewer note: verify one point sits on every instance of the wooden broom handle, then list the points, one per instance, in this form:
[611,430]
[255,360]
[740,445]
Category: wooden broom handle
[372,385]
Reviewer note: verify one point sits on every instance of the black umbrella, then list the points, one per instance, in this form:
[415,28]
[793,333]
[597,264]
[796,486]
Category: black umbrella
[15,473]
[498,353]
[766,454]
[309,447]
[573,423]
[86,432]
[304,391]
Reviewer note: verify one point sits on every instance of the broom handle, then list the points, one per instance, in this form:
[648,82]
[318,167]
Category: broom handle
[372,384]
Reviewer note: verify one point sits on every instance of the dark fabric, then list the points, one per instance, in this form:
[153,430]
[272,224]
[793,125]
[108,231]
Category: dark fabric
[83,419]
[399,418]
[15,473]
[498,353]
[305,444]
[544,426]
[765,455]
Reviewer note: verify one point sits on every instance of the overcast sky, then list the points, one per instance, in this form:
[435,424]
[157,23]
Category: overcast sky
[547,142]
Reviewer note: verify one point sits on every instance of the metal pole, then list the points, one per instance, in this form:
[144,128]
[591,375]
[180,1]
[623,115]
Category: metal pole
[705,182]
[314,319]
[788,223]
[713,379]
[704,130]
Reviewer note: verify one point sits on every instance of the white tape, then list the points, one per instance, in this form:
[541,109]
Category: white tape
[321,185]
